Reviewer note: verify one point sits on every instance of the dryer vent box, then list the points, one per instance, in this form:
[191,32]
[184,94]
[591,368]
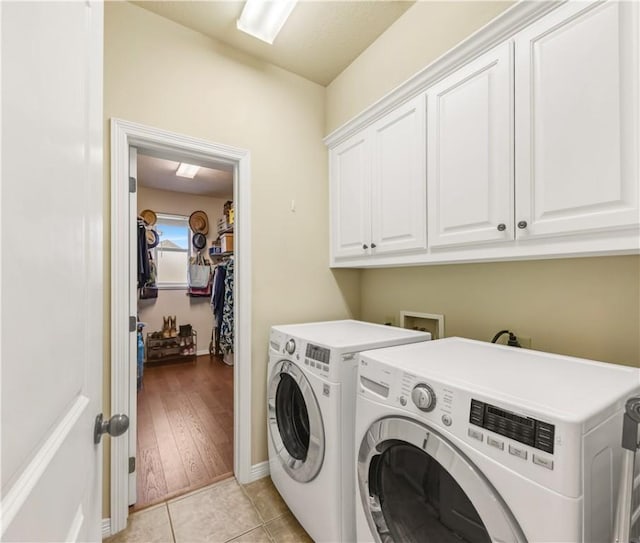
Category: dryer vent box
[424,322]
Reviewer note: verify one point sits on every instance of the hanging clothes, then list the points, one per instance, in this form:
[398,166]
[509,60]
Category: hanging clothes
[144,268]
[226,327]
[217,297]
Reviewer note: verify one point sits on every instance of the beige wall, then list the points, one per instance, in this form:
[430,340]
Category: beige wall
[585,307]
[194,311]
[164,75]
[421,35]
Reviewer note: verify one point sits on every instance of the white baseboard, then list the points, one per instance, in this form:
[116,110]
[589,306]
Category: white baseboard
[106,528]
[202,352]
[258,471]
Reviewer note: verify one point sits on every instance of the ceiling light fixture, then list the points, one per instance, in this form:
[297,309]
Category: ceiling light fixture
[264,19]
[187,170]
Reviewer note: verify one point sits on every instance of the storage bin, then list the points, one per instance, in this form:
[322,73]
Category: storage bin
[226,242]
[222,224]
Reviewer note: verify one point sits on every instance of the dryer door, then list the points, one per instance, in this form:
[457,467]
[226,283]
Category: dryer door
[415,485]
[295,422]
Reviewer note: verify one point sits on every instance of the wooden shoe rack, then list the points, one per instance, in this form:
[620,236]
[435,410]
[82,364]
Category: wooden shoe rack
[172,349]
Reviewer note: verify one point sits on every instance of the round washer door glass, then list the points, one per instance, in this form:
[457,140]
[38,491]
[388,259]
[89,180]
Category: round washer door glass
[295,422]
[409,495]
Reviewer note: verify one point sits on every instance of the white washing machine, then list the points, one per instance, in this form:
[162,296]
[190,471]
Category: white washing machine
[311,389]
[460,440]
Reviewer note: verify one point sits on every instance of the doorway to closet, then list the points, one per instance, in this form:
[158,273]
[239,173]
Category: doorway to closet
[185,326]
[126,138]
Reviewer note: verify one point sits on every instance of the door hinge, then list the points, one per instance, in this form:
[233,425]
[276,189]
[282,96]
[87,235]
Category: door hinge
[133,323]
[132,464]
[132,184]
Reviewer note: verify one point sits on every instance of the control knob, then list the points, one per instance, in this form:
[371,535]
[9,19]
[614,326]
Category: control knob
[290,346]
[424,397]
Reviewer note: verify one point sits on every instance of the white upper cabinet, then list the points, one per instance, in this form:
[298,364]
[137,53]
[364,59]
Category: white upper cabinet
[350,197]
[522,142]
[576,104]
[378,186]
[398,180]
[470,152]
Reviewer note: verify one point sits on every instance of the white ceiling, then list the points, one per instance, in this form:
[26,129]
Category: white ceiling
[160,173]
[318,41]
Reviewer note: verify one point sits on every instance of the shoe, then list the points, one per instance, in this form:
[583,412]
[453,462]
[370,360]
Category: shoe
[166,328]
[173,328]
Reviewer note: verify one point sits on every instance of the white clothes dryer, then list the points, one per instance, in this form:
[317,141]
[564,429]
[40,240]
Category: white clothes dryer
[460,440]
[311,389]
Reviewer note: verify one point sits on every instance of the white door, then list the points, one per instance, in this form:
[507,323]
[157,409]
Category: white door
[350,198]
[470,152]
[52,270]
[399,180]
[577,120]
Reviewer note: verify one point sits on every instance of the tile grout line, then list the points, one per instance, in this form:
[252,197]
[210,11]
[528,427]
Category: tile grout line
[243,533]
[173,534]
[263,523]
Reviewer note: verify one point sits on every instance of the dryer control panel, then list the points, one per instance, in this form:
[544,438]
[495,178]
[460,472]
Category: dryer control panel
[527,430]
[541,449]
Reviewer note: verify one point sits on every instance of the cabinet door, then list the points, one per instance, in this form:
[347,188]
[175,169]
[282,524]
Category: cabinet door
[577,120]
[470,152]
[398,179]
[350,198]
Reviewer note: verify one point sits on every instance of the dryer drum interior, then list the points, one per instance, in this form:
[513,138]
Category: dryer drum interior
[415,485]
[420,500]
[292,417]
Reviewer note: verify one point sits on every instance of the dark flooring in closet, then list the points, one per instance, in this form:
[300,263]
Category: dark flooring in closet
[185,428]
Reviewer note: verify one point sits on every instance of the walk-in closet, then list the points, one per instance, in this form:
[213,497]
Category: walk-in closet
[185,325]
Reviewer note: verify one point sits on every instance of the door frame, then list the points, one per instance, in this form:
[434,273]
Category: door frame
[125,134]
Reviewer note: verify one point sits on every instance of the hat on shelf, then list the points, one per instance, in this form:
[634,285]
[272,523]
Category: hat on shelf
[199,241]
[149,217]
[199,222]
[152,238]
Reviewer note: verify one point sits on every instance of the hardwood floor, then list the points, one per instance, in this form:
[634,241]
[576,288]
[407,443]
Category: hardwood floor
[185,428]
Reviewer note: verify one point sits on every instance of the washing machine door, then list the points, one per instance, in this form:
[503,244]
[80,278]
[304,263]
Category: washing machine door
[415,485]
[295,421]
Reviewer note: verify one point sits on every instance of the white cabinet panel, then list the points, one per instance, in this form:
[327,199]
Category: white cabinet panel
[577,120]
[350,198]
[399,201]
[470,152]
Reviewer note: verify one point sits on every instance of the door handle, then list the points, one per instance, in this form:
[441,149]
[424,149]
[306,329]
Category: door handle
[115,426]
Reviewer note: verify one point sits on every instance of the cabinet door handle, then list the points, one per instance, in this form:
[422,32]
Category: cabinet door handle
[365,246]
[522,225]
[373,245]
[502,227]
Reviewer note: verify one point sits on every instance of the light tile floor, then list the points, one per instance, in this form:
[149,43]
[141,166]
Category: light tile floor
[223,512]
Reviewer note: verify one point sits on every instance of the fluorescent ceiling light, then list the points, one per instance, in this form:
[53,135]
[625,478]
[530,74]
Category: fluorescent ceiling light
[265,18]
[187,170]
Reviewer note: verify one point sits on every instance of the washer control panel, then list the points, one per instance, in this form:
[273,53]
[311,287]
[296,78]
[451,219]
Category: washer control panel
[318,358]
[290,346]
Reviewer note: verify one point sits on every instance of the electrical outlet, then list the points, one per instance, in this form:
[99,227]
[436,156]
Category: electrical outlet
[525,342]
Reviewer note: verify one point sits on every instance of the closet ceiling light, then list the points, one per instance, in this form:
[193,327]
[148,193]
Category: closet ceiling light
[187,170]
[264,19]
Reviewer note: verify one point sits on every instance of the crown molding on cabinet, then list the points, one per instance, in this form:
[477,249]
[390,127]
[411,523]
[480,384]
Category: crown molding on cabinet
[503,27]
